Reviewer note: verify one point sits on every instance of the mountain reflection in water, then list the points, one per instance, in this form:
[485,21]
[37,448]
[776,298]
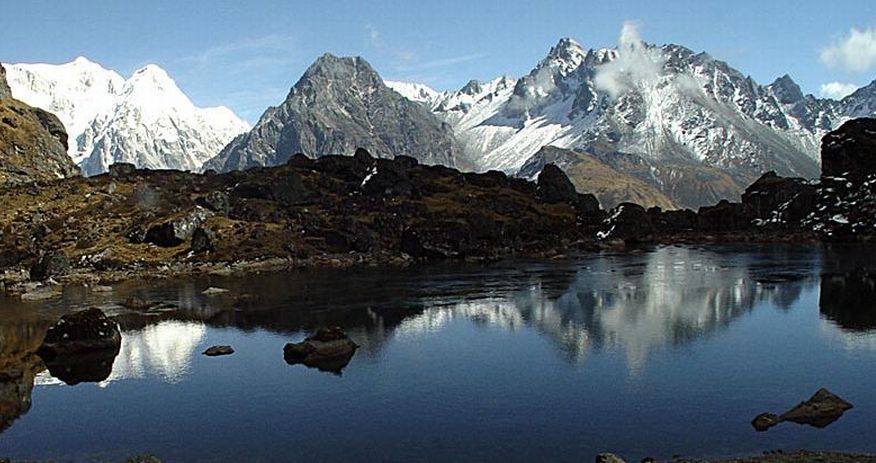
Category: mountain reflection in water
[632,302]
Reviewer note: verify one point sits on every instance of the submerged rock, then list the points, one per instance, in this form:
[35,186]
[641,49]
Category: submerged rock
[216,351]
[822,409]
[81,332]
[329,349]
[609,458]
[214,291]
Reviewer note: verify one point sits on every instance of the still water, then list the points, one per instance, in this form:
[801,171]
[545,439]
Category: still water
[662,352]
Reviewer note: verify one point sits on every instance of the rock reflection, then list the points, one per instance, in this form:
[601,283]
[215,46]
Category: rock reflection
[849,299]
[19,366]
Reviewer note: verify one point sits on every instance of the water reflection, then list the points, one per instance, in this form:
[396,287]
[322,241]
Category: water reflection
[634,303]
[671,296]
[164,349]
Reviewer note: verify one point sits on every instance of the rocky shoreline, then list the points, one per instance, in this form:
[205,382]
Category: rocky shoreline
[342,211]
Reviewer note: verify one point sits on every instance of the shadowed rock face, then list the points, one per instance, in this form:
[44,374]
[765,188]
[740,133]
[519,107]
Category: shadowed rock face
[33,142]
[338,105]
[850,150]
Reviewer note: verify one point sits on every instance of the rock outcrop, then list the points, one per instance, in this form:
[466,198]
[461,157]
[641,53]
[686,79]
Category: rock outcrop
[822,409]
[329,349]
[82,332]
[33,143]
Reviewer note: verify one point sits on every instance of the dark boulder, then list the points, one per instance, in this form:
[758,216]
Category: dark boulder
[176,231]
[388,178]
[52,124]
[587,205]
[725,217]
[675,221]
[822,409]
[216,201]
[554,186]
[362,155]
[850,150]
[287,189]
[81,332]
[203,240]
[628,222]
[346,168]
[49,265]
[780,199]
[216,351]
[328,349]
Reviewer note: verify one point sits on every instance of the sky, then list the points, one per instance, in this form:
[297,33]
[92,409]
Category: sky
[247,54]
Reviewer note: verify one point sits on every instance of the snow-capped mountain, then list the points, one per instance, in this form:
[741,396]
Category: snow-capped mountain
[145,120]
[339,104]
[689,124]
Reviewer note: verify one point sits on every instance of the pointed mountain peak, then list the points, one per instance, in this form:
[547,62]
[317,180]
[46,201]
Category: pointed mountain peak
[151,86]
[786,90]
[81,60]
[330,71]
[566,55]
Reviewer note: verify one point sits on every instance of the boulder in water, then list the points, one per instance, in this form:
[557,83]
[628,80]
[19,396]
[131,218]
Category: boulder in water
[329,349]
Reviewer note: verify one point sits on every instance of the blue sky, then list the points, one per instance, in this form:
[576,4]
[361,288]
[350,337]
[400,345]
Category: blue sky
[247,54]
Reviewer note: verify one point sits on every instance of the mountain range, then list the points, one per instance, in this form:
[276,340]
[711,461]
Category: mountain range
[688,125]
[145,119]
[660,125]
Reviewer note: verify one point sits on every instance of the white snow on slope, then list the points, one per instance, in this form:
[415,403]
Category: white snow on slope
[145,120]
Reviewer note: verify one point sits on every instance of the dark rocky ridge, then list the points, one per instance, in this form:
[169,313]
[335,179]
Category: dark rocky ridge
[340,104]
[345,210]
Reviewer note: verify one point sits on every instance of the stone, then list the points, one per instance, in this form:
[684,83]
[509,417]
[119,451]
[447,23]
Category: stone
[203,240]
[81,332]
[136,303]
[174,232]
[609,458]
[49,265]
[214,291]
[724,217]
[765,421]
[216,201]
[628,222]
[850,150]
[554,186]
[216,351]
[822,409]
[328,349]
[786,199]
[40,294]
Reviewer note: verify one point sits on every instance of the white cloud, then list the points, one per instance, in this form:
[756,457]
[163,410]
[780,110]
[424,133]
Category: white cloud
[837,90]
[635,66]
[856,52]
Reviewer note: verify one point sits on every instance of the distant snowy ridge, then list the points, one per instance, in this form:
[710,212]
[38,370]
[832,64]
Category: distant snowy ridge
[145,120]
[670,113]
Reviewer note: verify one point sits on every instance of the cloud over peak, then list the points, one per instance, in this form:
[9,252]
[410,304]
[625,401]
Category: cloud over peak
[854,52]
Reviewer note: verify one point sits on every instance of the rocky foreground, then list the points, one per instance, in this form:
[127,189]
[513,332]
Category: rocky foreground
[348,210]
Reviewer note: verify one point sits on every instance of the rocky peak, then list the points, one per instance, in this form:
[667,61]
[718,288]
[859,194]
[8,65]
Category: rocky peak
[786,90]
[5,92]
[329,70]
[567,55]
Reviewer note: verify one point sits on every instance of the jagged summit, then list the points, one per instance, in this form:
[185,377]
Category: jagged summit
[145,119]
[339,104]
[679,120]
[566,54]
[786,90]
